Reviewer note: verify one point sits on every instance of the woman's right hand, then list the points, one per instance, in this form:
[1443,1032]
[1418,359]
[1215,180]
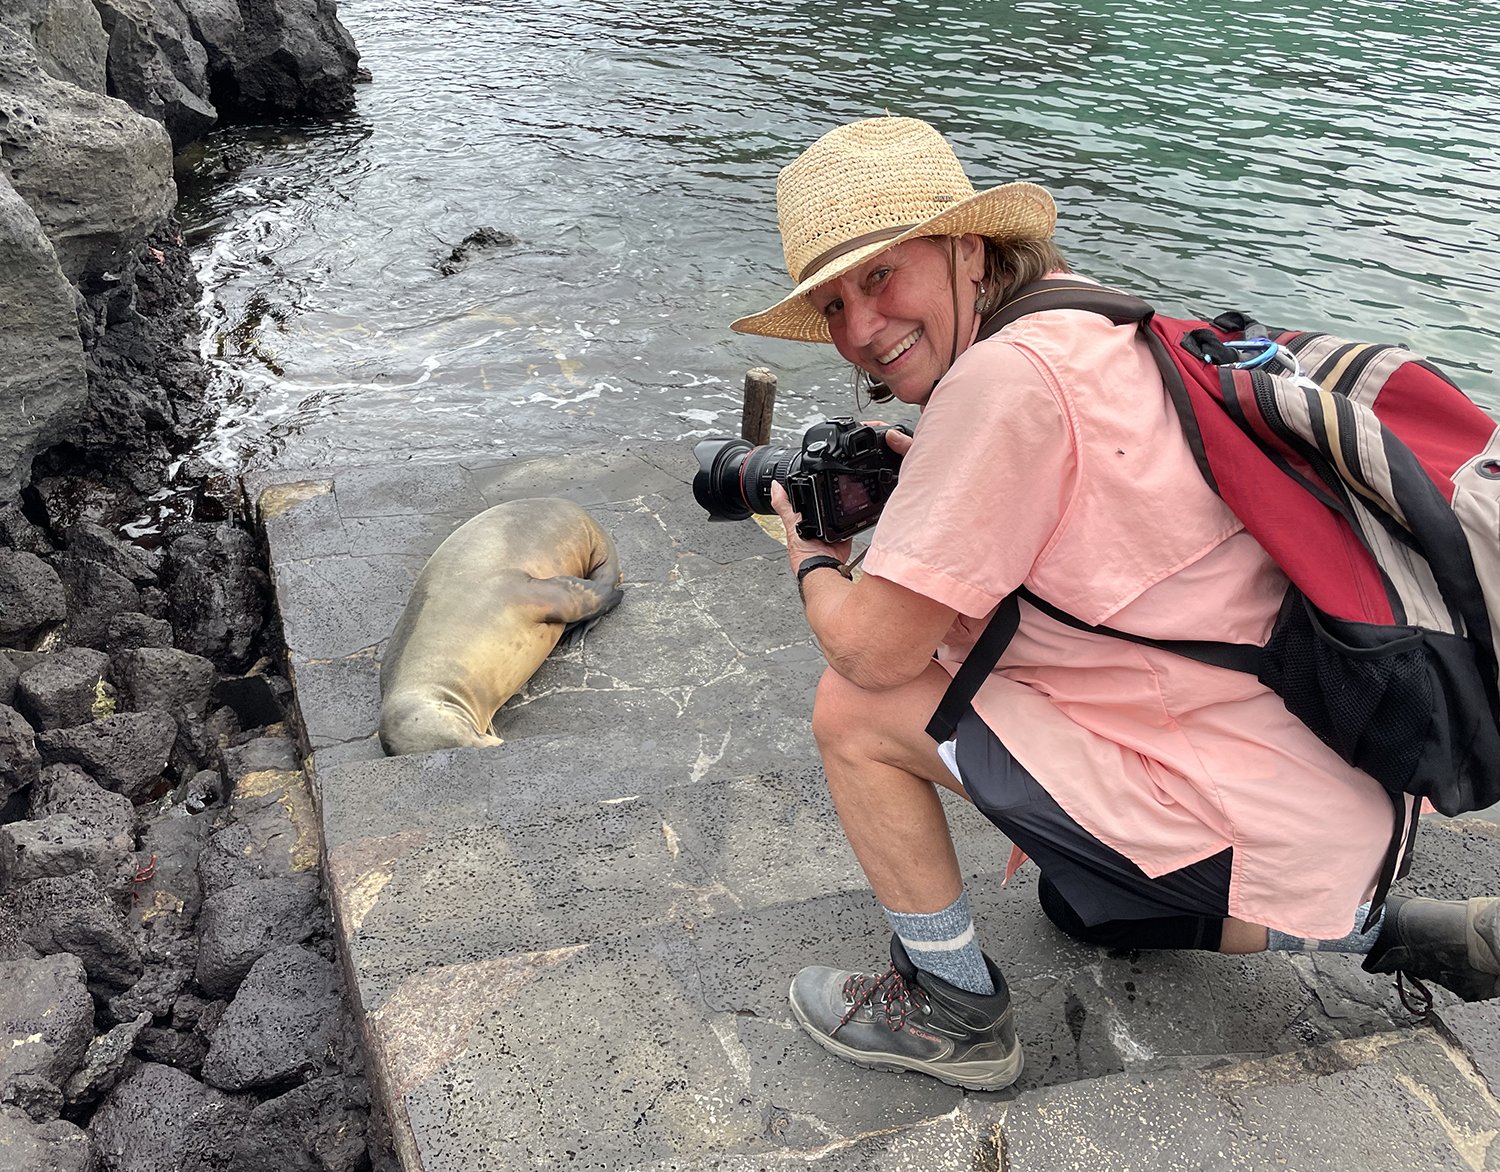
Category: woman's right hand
[898,441]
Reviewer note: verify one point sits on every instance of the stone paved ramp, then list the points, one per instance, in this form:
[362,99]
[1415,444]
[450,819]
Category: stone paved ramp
[572,951]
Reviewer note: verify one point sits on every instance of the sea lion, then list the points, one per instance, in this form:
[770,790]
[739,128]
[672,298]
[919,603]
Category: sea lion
[488,607]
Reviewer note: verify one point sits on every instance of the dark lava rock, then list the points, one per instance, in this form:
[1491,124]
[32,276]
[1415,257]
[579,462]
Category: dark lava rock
[165,679]
[63,844]
[56,1146]
[46,1018]
[281,1026]
[95,595]
[31,598]
[159,1119]
[154,994]
[63,689]
[172,1048]
[158,68]
[132,629]
[260,755]
[216,592]
[40,1099]
[240,925]
[105,1062]
[167,901]
[10,676]
[265,840]
[282,59]
[74,914]
[67,789]
[12,947]
[19,759]
[317,1127]
[98,544]
[125,752]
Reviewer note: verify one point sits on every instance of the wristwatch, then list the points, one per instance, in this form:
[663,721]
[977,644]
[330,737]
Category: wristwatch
[818,562]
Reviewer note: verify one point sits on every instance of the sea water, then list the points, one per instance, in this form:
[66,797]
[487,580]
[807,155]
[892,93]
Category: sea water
[1328,165]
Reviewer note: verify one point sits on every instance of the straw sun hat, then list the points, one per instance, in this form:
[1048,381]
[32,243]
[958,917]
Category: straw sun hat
[867,186]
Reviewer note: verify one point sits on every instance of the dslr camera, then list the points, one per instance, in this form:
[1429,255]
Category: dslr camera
[839,481]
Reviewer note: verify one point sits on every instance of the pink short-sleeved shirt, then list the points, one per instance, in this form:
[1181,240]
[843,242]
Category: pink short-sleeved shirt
[1050,456]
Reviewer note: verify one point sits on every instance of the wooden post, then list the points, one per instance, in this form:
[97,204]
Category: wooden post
[760,401]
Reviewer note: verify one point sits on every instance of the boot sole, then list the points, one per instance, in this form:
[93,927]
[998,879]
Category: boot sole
[971,1076]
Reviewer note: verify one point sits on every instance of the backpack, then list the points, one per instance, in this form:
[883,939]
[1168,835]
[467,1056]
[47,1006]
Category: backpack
[1374,483]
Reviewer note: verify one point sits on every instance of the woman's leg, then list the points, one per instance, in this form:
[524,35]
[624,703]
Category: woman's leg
[883,773]
[942,1008]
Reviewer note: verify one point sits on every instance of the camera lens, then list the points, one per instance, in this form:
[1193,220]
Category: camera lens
[734,478]
[763,466]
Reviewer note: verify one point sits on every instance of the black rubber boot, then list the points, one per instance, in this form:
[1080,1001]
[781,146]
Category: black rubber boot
[904,1019]
[1452,942]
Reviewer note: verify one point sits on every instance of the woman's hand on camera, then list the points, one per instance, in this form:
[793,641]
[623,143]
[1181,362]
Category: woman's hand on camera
[798,548]
[898,441]
[895,439]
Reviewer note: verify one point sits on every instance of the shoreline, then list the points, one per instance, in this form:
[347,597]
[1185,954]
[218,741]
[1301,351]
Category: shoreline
[166,957]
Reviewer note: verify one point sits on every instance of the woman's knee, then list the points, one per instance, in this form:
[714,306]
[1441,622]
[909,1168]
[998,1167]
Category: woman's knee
[855,727]
[840,711]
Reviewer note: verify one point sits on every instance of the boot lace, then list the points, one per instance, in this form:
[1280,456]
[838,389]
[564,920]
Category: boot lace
[1417,1000]
[899,1000]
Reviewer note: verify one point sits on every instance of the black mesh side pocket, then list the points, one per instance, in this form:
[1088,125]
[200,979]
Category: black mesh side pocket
[1406,705]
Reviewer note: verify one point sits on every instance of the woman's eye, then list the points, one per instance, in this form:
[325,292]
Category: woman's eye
[879,275]
[833,307]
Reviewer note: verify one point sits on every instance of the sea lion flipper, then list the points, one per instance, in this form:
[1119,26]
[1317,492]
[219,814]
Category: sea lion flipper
[571,600]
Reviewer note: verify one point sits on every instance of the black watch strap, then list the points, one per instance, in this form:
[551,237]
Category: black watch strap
[817,562]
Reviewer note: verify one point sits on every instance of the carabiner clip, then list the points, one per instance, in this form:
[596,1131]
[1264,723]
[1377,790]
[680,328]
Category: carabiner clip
[1260,351]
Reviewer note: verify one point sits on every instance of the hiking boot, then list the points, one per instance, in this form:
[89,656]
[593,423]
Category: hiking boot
[905,1020]
[1455,942]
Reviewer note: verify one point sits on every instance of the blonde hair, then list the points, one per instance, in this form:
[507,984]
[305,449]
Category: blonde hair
[1011,264]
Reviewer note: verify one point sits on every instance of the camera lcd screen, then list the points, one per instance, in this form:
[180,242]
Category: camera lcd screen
[854,495]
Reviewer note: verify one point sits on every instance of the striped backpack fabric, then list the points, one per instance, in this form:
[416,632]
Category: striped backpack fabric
[1374,484]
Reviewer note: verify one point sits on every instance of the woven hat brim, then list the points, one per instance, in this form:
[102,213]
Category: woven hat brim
[1010,212]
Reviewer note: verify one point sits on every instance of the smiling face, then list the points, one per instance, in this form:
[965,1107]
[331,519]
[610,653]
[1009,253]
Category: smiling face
[892,316]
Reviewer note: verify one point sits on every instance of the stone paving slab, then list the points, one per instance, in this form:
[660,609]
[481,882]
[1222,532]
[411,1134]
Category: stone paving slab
[1389,1103]
[572,950]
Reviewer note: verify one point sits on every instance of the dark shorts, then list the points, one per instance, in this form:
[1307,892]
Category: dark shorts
[1098,882]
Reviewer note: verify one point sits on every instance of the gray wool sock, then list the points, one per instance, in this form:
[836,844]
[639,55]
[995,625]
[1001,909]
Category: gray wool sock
[1356,942]
[943,943]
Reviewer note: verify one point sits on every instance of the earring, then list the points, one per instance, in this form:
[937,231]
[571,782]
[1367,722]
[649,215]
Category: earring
[979,299]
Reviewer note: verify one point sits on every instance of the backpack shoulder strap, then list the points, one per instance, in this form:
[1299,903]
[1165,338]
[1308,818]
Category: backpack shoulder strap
[1122,309]
[1060,293]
